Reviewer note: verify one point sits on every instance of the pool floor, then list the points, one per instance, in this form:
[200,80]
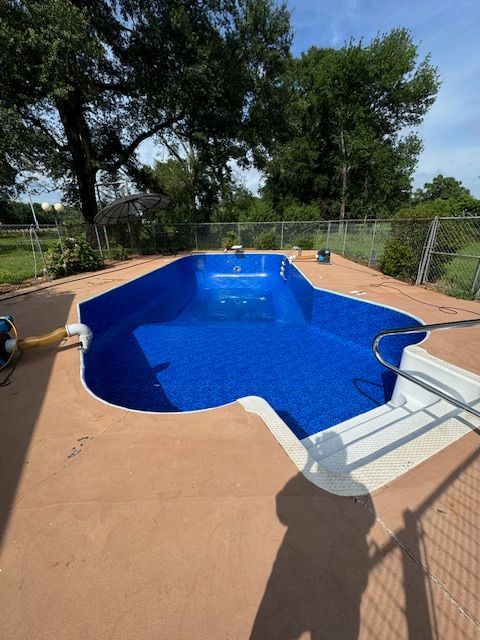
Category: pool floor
[203,358]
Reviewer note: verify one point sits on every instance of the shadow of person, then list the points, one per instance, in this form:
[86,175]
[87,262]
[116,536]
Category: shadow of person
[322,565]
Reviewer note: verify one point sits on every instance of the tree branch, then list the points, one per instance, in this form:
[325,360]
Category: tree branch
[173,151]
[127,151]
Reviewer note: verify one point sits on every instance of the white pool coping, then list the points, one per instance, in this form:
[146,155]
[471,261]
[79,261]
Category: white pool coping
[422,440]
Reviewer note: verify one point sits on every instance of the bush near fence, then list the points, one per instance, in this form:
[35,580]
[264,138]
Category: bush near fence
[450,262]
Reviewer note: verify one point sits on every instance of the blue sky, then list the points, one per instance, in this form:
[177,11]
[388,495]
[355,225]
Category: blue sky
[448,31]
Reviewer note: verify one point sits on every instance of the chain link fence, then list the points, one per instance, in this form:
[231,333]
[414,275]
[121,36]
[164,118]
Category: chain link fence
[360,240]
[444,252]
[22,250]
[452,257]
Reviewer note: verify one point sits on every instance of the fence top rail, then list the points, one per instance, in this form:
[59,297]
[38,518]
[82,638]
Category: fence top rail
[15,227]
[336,221]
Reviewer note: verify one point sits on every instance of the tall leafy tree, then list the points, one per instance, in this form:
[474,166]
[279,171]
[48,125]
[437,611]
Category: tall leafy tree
[443,188]
[350,109]
[443,196]
[85,82]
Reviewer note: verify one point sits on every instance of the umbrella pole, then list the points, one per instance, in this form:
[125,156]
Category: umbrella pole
[98,241]
[106,237]
[130,234]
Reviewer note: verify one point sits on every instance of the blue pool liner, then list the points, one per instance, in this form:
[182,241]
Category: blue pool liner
[199,333]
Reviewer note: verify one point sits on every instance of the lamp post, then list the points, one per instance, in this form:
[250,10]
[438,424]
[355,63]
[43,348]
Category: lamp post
[57,207]
[32,207]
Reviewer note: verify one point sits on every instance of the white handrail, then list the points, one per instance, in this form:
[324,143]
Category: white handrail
[404,374]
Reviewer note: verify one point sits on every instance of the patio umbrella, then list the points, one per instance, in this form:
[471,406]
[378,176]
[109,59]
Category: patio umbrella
[131,208]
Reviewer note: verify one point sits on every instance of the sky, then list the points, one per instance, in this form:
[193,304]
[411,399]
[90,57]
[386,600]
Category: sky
[447,30]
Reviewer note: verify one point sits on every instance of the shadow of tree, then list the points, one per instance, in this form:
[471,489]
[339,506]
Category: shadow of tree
[22,400]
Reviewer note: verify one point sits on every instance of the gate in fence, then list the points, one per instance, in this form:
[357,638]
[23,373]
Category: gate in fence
[451,256]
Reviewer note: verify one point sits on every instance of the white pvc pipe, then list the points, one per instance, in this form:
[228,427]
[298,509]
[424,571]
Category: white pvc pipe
[10,345]
[82,331]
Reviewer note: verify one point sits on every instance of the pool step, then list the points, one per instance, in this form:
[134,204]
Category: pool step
[378,449]
[367,452]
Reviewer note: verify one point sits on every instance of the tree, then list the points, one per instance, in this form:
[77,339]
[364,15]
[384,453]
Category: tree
[442,188]
[85,82]
[350,107]
[193,185]
[236,203]
[444,196]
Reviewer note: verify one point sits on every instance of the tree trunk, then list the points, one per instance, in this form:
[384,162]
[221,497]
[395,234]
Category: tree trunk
[345,172]
[84,162]
[343,197]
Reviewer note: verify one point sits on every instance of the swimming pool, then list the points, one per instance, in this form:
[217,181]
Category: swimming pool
[208,329]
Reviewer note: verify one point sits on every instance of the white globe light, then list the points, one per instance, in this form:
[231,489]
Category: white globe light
[46,206]
[59,208]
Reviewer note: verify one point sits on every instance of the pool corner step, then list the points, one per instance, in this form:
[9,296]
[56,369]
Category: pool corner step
[368,451]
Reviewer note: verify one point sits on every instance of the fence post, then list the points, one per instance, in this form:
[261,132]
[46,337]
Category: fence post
[129,233]
[33,251]
[238,233]
[196,236]
[427,252]
[372,244]
[281,236]
[98,240]
[475,290]
[328,235]
[345,238]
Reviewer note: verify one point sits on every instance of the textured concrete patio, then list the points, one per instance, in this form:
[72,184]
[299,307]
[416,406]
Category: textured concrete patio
[124,525]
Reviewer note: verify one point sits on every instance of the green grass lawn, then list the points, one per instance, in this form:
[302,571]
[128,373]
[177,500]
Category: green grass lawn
[458,273]
[17,262]
[17,266]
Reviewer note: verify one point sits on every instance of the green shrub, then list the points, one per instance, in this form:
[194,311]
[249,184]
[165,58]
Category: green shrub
[117,252]
[398,260]
[70,256]
[304,242]
[229,240]
[266,240]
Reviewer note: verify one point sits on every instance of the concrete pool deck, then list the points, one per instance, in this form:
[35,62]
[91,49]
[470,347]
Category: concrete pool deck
[124,525]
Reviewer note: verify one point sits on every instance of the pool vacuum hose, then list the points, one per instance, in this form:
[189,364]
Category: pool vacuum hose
[10,342]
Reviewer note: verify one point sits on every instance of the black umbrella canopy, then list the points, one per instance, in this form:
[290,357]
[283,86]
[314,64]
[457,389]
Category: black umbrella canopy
[131,208]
